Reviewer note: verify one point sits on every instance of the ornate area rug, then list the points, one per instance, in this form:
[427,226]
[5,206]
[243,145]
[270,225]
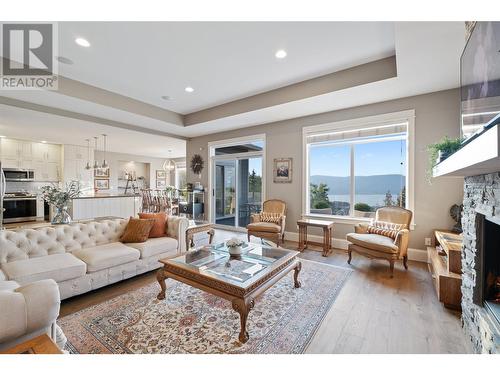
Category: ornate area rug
[283,320]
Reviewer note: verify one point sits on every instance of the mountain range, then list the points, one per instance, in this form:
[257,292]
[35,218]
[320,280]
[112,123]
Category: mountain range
[378,184]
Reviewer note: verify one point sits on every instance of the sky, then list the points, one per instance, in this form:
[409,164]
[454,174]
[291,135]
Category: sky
[370,159]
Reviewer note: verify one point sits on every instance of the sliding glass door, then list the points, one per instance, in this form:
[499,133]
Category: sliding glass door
[237,183]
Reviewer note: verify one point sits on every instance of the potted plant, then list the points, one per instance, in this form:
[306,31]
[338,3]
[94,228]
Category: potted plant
[60,198]
[441,151]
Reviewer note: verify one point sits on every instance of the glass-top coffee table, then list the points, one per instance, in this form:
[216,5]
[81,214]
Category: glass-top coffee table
[239,279]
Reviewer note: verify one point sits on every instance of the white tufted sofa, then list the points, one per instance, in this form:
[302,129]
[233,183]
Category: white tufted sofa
[84,256]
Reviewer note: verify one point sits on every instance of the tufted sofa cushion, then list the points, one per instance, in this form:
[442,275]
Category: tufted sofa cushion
[59,267]
[108,255]
[31,243]
[155,246]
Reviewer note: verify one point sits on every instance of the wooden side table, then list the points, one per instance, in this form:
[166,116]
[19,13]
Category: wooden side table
[327,227]
[39,345]
[198,227]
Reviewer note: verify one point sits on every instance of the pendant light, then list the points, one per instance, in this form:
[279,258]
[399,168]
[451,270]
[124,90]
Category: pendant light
[96,164]
[104,162]
[87,166]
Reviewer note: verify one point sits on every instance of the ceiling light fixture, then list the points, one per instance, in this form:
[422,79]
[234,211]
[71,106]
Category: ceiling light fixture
[64,60]
[189,89]
[82,42]
[96,164]
[280,54]
[44,141]
[87,166]
[104,162]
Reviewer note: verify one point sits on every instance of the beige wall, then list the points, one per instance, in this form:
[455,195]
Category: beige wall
[437,115]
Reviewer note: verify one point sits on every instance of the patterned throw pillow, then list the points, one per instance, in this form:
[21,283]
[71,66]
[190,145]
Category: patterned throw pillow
[385,229]
[137,230]
[270,217]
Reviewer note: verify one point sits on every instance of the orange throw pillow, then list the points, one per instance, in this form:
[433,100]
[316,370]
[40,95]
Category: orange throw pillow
[137,230]
[160,223]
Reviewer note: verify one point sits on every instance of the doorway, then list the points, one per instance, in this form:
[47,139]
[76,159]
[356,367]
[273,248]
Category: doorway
[237,182]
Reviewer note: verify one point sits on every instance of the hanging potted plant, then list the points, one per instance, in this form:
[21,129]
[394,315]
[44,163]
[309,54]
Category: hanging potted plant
[440,151]
[60,198]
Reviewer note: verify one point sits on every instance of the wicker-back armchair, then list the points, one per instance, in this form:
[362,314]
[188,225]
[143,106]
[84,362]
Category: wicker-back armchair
[270,222]
[382,245]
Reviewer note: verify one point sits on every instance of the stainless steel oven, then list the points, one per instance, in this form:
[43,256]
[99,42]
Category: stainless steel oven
[19,207]
[17,174]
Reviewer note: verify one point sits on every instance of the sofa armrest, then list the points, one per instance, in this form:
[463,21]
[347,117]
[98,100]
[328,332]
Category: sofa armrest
[176,228]
[401,241]
[361,228]
[28,308]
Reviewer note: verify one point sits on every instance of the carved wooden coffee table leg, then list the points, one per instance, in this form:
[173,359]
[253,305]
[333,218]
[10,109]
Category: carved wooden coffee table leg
[296,272]
[243,308]
[160,276]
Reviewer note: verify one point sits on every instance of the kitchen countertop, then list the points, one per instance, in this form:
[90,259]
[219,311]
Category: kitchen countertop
[106,195]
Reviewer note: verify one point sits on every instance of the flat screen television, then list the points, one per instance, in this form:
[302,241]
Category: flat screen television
[480,80]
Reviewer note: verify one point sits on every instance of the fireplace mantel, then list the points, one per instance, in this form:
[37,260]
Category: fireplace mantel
[479,156]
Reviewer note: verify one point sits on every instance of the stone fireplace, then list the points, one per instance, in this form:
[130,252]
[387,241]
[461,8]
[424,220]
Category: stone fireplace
[481,262]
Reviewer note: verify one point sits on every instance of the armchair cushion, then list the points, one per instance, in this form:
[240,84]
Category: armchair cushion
[264,227]
[374,242]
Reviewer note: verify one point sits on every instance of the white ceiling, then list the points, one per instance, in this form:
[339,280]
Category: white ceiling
[37,126]
[221,61]
[227,61]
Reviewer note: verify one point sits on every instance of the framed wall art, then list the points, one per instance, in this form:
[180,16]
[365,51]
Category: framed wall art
[282,170]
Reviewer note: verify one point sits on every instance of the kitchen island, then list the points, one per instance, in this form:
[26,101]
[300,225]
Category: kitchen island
[96,205]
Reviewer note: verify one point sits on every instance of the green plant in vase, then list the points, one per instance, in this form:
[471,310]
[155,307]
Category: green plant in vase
[440,151]
[60,199]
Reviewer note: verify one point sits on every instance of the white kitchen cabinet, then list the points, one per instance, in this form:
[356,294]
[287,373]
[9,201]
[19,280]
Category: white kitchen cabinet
[8,162]
[10,148]
[75,160]
[43,158]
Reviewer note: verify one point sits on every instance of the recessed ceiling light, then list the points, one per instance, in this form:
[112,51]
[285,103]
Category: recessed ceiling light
[82,42]
[2,136]
[280,54]
[189,89]
[44,141]
[64,60]
[166,97]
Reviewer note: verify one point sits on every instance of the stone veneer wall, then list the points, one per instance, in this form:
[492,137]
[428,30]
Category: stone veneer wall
[481,195]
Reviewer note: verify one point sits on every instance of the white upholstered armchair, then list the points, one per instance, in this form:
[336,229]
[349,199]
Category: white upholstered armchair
[28,311]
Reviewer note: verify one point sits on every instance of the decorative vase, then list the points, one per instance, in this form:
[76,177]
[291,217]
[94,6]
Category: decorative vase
[61,215]
[235,250]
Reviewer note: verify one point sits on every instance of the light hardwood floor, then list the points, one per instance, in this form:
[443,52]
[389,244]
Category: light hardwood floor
[372,314]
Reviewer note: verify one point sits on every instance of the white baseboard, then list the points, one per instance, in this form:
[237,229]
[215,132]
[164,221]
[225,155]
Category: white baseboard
[416,255]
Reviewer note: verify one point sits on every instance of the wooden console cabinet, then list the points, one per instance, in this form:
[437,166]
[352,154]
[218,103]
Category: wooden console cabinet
[445,267]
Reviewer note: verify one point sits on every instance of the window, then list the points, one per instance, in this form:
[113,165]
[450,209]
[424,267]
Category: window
[354,167]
